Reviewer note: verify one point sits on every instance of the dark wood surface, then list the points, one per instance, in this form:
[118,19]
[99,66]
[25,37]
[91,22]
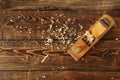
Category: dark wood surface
[60,4]
[23,50]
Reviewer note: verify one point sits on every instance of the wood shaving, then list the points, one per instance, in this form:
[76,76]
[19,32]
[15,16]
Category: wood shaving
[116,39]
[43,60]
[44,77]
[90,37]
[81,27]
[11,20]
[68,19]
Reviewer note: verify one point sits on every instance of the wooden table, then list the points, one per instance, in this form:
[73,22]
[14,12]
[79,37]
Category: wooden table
[24,55]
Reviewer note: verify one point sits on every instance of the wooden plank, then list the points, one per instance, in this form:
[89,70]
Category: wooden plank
[58,75]
[78,4]
[104,56]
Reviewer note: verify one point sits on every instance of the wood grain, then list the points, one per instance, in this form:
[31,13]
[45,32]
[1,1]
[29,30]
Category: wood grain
[80,18]
[66,75]
[23,55]
[99,58]
[58,75]
[56,4]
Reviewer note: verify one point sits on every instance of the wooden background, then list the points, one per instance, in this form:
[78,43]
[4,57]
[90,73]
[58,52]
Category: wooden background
[24,32]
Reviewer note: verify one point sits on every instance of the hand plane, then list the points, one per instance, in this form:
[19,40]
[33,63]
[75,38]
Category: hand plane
[91,37]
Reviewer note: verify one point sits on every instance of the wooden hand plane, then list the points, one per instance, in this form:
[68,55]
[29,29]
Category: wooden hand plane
[91,37]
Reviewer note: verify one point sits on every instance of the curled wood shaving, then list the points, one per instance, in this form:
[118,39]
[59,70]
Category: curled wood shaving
[90,37]
[81,27]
